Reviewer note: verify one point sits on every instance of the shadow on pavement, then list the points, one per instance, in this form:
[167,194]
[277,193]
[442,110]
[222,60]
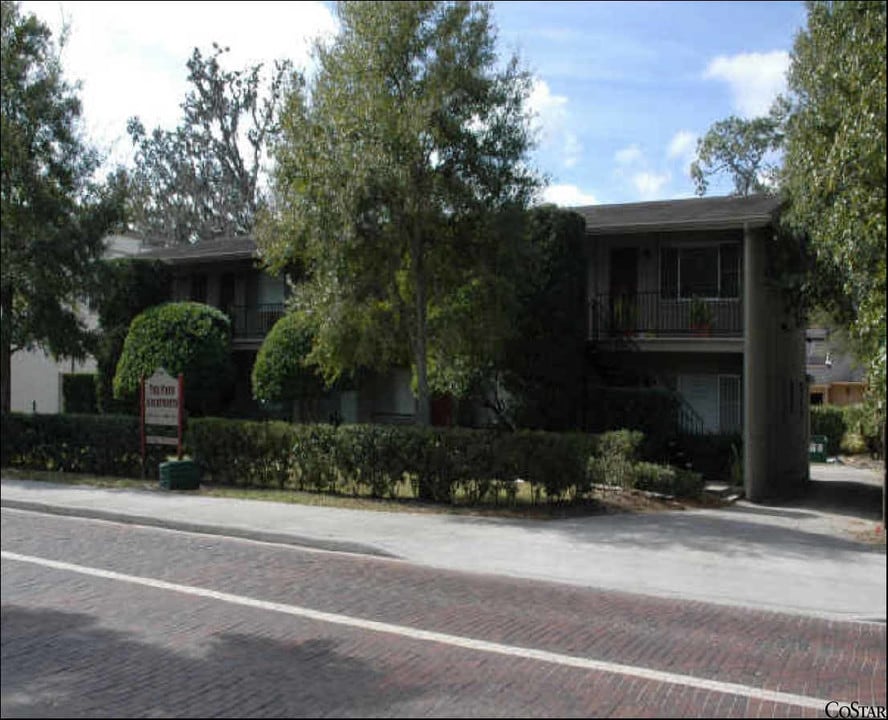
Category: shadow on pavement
[61,664]
[844,497]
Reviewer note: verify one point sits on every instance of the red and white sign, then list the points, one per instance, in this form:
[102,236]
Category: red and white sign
[162,399]
[162,403]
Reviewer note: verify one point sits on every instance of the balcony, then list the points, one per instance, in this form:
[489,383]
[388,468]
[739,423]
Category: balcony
[252,322]
[647,315]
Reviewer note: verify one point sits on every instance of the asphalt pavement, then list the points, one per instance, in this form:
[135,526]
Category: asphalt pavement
[805,556]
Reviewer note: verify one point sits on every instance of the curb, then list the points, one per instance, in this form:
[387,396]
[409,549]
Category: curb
[223,531]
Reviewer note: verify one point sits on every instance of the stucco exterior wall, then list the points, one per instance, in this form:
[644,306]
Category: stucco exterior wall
[775,390]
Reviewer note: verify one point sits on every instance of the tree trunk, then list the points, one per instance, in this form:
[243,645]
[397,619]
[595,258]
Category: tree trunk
[5,380]
[423,414]
[6,356]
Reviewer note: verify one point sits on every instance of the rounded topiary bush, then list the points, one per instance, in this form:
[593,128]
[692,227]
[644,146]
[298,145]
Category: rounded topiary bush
[280,372]
[184,337]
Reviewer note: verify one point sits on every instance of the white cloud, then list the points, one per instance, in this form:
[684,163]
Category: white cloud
[131,56]
[549,110]
[551,121]
[568,196]
[683,145]
[629,155]
[650,184]
[573,149]
[755,79]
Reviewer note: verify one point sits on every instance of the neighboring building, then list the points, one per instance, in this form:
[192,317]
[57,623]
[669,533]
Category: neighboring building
[679,298]
[36,377]
[835,379]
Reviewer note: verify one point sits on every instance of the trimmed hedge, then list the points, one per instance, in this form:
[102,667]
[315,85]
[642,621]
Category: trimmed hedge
[181,337]
[95,444]
[829,420]
[79,393]
[443,465]
[667,480]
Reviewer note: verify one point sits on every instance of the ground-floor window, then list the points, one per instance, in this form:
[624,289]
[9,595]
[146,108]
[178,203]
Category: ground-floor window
[730,404]
[716,399]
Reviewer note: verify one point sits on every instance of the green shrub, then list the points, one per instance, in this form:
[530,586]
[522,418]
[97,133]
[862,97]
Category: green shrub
[863,430]
[187,337]
[280,372]
[241,452]
[829,420]
[716,457]
[653,411]
[95,444]
[853,443]
[613,458]
[443,464]
[620,443]
[667,480]
[79,393]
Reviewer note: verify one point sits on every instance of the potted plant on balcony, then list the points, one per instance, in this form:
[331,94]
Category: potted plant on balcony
[625,315]
[700,317]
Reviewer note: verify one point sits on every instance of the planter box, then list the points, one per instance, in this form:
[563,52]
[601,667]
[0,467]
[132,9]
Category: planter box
[179,475]
[817,448]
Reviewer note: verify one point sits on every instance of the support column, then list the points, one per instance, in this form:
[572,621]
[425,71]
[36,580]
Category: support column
[755,368]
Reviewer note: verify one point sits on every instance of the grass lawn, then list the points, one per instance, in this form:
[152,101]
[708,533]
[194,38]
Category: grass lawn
[600,501]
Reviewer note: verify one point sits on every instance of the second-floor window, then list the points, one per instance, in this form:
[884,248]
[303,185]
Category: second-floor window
[710,271]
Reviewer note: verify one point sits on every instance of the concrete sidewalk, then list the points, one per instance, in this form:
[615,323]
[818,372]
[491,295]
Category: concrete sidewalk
[804,557]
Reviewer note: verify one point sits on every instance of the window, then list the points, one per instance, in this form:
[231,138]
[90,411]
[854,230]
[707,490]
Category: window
[730,404]
[711,271]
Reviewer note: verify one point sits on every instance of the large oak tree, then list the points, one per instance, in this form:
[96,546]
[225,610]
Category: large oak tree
[393,160]
[203,179]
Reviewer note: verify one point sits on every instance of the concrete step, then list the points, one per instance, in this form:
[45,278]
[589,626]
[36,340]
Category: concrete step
[723,491]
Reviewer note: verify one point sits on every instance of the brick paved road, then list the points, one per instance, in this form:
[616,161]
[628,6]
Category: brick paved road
[82,646]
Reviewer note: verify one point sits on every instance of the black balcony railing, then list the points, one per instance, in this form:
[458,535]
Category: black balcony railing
[648,314]
[253,321]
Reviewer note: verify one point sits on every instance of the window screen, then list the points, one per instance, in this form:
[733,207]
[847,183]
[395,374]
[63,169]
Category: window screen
[698,272]
[730,404]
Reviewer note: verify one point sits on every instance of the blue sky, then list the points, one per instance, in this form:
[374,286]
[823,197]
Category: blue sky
[622,90]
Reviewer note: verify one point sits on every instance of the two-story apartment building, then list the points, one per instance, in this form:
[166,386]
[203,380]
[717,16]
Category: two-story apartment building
[679,296]
[226,275]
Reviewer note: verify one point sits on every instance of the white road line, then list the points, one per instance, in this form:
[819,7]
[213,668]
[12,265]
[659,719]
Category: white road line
[443,638]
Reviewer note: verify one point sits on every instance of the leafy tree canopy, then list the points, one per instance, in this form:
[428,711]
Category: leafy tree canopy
[835,167]
[391,160]
[202,180]
[53,215]
[830,129]
[744,149]
[184,337]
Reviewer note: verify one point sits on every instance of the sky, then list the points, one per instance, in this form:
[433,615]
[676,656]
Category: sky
[622,90]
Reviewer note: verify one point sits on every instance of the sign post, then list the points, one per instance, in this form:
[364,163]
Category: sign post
[162,401]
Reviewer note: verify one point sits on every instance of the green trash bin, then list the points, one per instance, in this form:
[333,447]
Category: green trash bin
[179,475]
[817,448]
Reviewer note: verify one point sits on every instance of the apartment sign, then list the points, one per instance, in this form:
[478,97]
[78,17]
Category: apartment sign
[162,399]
